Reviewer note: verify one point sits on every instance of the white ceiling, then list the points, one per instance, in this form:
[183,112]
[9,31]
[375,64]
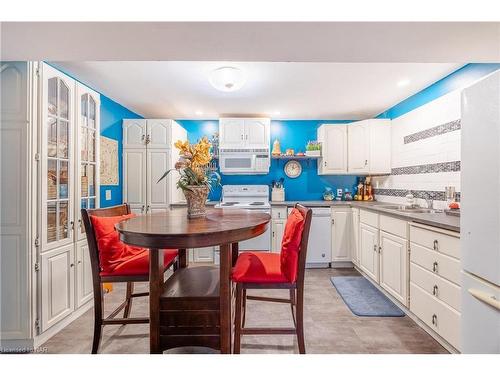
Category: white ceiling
[460,42]
[178,90]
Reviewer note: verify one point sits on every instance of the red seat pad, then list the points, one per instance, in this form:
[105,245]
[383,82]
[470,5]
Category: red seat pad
[114,254]
[139,264]
[290,245]
[258,267]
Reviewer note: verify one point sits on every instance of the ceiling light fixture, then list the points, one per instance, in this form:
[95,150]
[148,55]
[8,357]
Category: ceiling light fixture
[227,78]
[199,113]
[403,82]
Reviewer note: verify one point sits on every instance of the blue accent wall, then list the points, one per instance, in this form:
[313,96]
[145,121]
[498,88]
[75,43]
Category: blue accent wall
[291,134]
[459,78]
[112,115]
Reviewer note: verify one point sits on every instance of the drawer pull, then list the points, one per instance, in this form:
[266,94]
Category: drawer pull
[375,248]
[434,319]
[435,267]
[436,245]
[486,298]
[435,290]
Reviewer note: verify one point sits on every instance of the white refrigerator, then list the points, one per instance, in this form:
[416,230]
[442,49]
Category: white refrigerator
[480,216]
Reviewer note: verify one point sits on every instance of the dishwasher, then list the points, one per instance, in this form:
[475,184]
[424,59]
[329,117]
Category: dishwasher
[319,248]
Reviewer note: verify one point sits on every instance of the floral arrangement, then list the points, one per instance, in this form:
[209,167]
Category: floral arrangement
[193,165]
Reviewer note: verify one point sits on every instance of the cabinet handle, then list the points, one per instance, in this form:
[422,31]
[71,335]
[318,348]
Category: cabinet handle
[148,139]
[435,266]
[72,265]
[380,249]
[148,208]
[435,290]
[242,137]
[325,163]
[333,221]
[375,248]
[435,245]
[366,162]
[142,209]
[273,234]
[143,138]
[79,262]
[434,319]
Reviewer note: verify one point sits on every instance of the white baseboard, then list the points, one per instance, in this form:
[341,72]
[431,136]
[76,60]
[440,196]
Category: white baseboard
[342,264]
[445,344]
[44,336]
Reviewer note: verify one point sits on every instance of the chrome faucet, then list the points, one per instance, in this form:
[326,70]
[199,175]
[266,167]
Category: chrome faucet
[430,203]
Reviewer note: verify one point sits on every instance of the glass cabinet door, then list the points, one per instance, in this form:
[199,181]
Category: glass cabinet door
[87,180]
[57,125]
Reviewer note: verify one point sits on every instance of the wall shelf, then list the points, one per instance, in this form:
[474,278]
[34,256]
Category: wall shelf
[295,157]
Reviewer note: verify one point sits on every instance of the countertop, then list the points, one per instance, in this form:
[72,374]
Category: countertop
[437,219]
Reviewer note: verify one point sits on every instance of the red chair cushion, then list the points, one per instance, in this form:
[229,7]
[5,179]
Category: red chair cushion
[290,245]
[116,256]
[139,264]
[258,267]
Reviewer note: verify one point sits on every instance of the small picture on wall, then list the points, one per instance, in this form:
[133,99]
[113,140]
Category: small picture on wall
[109,161]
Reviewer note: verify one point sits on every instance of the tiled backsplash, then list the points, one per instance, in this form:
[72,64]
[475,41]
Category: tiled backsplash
[425,153]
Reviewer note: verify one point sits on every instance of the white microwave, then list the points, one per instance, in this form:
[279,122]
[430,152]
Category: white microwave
[240,161]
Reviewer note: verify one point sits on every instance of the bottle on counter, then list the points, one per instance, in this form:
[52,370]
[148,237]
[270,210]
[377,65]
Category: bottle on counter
[359,193]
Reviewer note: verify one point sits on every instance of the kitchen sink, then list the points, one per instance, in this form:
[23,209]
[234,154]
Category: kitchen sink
[402,208]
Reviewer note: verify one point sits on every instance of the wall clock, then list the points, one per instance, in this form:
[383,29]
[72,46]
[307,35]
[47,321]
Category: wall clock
[293,169]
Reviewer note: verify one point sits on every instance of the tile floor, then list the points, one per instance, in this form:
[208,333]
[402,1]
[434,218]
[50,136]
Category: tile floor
[330,327]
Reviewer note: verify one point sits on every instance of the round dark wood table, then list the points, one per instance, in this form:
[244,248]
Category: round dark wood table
[173,230]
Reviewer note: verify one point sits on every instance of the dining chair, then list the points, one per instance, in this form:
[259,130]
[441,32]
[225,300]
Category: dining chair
[110,265]
[263,270]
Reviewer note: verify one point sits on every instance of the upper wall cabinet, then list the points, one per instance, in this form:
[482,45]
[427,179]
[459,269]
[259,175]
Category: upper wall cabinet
[244,133]
[362,147]
[369,147]
[155,133]
[334,149]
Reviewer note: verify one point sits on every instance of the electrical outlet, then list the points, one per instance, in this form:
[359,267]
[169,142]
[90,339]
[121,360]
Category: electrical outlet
[108,195]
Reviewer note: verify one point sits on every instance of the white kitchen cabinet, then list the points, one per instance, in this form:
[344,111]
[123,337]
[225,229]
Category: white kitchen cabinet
[380,146]
[158,133]
[57,285]
[355,236]
[333,139]
[83,276]
[369,147]
[257,133]
[134,179]
[394,265]
[158,161]
[362,147]
[134,133]
[341,234]
[359,147]
[278,229]
[369,256]
[145,163]
[247,133]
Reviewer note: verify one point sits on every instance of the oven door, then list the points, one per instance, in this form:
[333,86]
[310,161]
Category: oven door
[237,163]
[259,243]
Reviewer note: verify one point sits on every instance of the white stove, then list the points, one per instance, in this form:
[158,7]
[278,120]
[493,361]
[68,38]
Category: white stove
[249,197]
[245,197]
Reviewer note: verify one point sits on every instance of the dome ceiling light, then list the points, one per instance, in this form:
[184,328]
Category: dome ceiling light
[227,78]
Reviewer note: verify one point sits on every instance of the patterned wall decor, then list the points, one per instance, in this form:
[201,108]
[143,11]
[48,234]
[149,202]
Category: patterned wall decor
[449,166]
[432,132]
[422,194]
[109,161]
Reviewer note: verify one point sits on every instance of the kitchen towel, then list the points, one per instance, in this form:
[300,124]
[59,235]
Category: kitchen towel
[363,298]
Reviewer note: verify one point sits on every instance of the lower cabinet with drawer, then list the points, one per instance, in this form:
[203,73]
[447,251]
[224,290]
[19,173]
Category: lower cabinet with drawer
[435,295]
[441,318]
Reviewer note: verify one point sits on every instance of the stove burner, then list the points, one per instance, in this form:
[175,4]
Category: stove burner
[256,204]
[229,203]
